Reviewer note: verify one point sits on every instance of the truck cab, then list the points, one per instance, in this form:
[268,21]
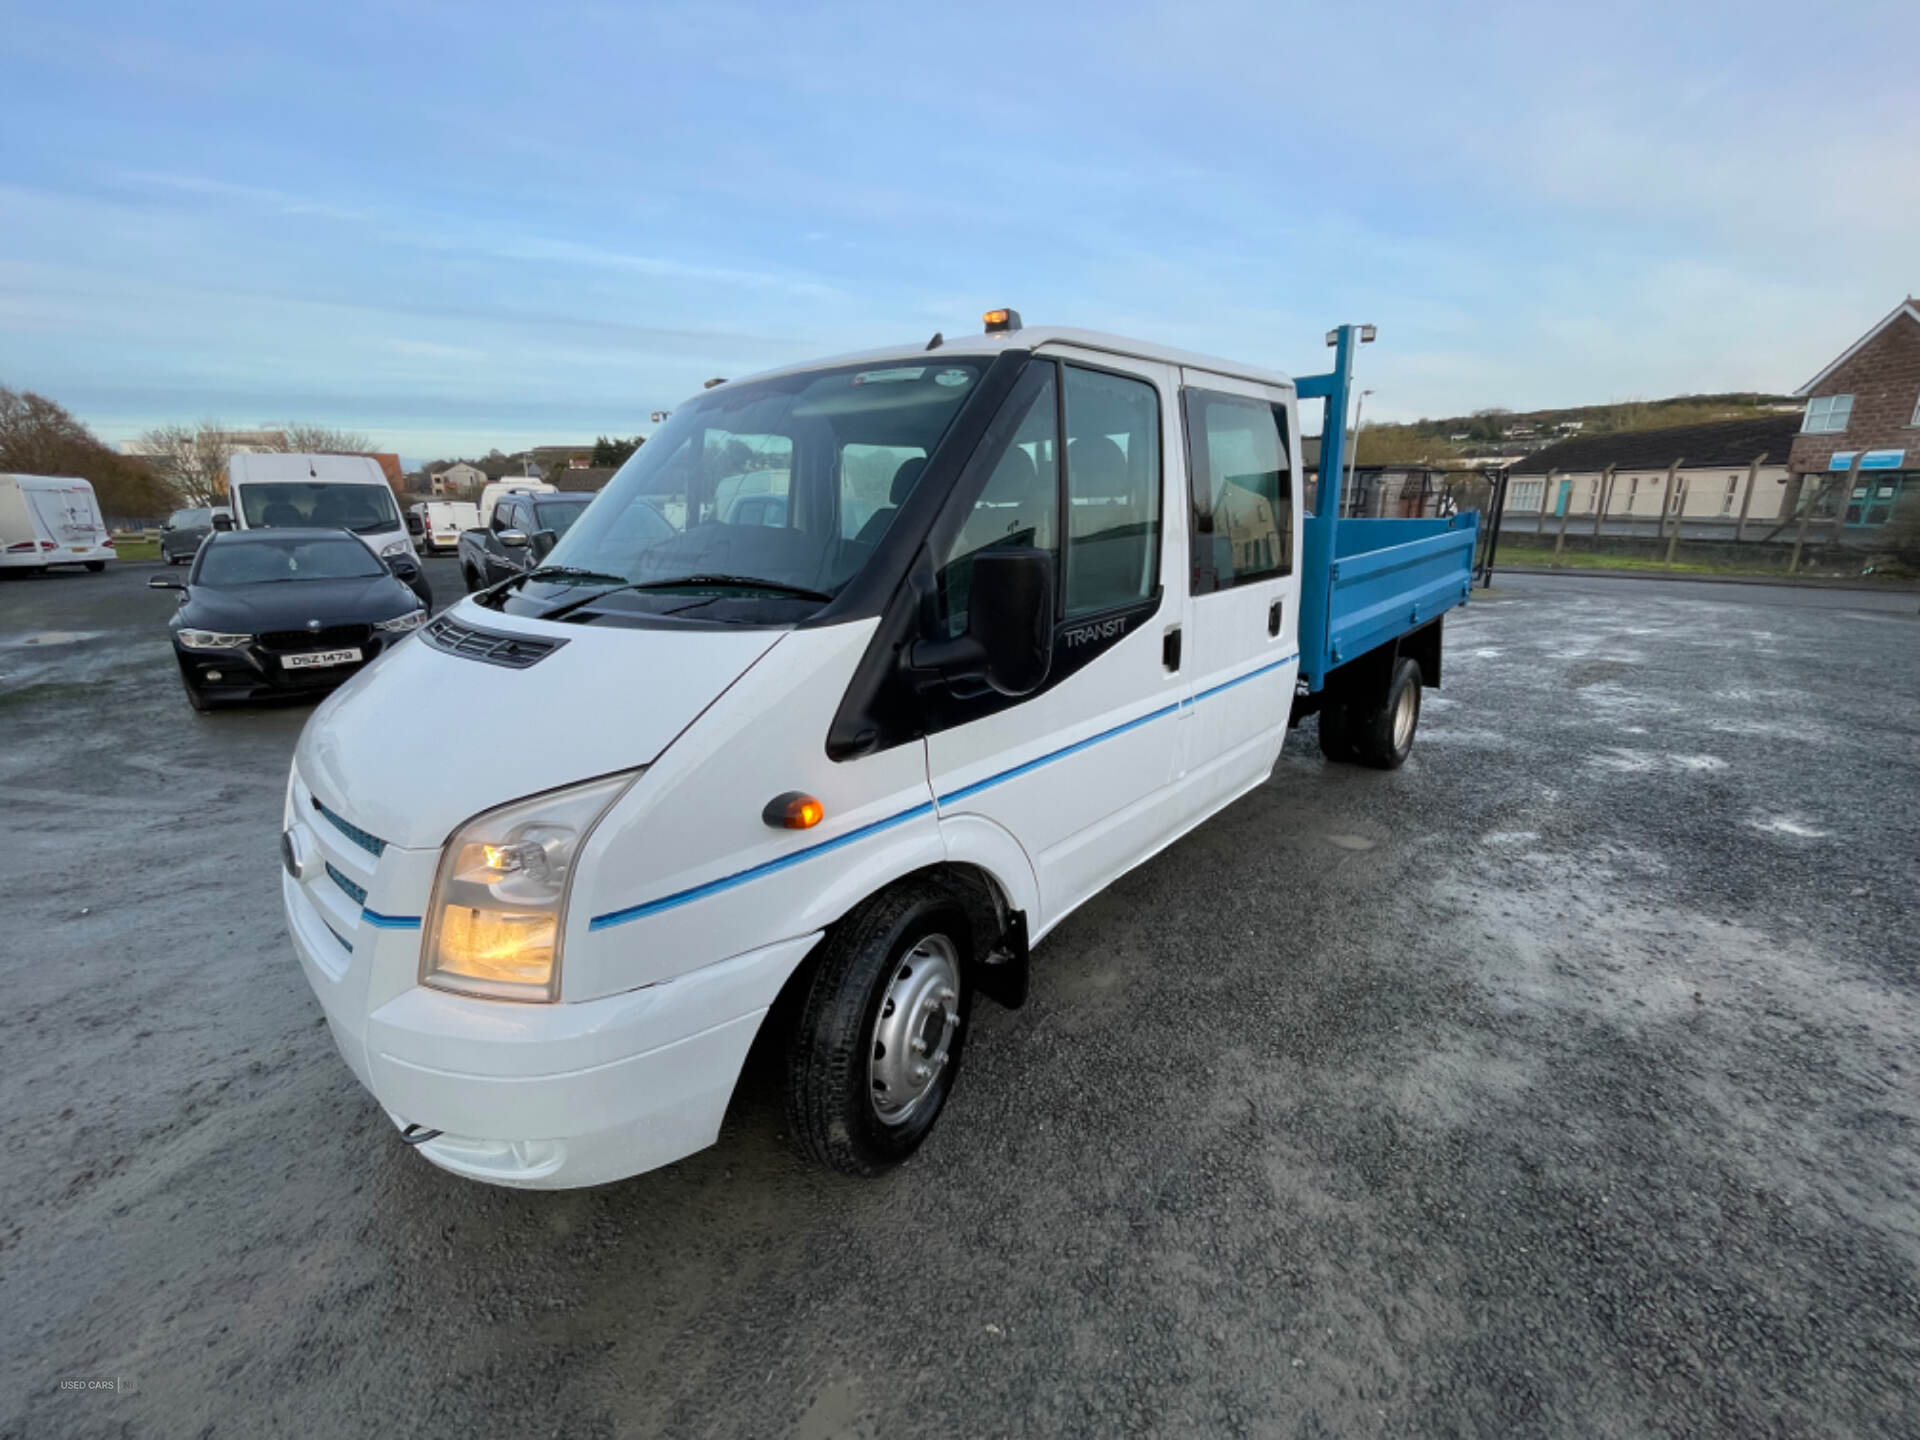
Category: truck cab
[524,527]
[873,670]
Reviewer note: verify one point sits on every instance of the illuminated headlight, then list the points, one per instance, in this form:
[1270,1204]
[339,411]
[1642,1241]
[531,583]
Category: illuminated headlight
[398,547]
[212,640]
[400,624]
[500,899]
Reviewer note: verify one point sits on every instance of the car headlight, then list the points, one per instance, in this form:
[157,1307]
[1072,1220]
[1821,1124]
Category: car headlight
[400,624]
[212,640]
[500,898]
[398,547]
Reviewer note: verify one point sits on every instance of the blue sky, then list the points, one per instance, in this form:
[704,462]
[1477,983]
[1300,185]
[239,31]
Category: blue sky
[454,226]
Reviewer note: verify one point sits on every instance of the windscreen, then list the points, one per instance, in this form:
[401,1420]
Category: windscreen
[793,480]
[363,509]
[557,516]
[258,562]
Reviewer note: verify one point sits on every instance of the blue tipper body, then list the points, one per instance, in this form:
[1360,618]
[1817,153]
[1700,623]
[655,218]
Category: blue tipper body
[1366,582]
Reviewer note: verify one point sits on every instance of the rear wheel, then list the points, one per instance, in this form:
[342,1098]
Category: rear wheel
[1383,736]
[877,1046]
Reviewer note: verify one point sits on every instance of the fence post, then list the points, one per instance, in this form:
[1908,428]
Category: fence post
[1673,536]
[1800,536]
[1746,501]
[1606,499]
[1553,477]
[1666,502]
[1566,513]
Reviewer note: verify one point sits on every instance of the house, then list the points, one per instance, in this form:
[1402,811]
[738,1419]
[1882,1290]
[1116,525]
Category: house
[458,478]
[1729,470]
[1856,459]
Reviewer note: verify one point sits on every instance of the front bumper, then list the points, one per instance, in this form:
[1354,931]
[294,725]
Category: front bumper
[254,673]
[538,1096]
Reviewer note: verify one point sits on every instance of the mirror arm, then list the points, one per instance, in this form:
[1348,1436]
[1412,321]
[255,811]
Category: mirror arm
[963,656]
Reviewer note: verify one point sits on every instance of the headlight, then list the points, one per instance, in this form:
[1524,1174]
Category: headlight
[398,547]
[500,899]
[212,640]
[400,624]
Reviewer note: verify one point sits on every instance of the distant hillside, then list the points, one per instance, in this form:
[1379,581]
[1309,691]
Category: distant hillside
[1496,431]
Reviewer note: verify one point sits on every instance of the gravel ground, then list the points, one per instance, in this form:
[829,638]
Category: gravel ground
[1562,1082]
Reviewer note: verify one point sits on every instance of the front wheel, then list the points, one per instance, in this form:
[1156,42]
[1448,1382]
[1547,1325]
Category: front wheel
[878,1042]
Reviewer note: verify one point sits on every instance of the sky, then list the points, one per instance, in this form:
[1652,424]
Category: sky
[460,226]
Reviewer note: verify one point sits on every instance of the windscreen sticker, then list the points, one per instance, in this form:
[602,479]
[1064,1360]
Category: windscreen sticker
[890,377]
[952,377]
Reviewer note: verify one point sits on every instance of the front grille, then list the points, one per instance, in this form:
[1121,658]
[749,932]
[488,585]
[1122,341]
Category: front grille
[366,840]
[327,637]
[495,647]
[355,893]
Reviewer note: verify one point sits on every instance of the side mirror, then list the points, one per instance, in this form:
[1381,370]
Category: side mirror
[404,566]
[163,582]
[1009,639]
[223,522]
[542,542]
[513,538]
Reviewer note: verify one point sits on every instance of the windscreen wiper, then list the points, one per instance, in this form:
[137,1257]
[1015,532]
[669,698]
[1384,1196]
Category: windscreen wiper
[570,572]
[751,582]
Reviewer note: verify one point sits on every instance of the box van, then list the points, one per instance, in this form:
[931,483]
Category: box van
[1030,607]
[347,492]
[442,521]
[48,520]
[490,495]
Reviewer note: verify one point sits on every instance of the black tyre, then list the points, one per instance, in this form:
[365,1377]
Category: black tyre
[878,1041]
[200,703]
[1383,736]
[1336,732]
[472,580]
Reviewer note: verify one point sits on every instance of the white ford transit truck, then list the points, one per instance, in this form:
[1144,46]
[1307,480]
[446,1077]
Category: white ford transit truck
[1007,616]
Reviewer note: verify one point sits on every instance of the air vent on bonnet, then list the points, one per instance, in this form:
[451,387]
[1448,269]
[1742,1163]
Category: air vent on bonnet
[496,647]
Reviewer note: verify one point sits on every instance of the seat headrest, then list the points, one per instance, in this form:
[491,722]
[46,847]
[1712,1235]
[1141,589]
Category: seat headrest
[904,479]
[1097,465]
[1013,479]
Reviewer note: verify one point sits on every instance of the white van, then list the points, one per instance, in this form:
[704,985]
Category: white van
[1026,611]
[441,522]
[490,495]
[349,492]
[48,520]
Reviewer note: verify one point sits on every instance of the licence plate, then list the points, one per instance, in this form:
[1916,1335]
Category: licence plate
[314,659]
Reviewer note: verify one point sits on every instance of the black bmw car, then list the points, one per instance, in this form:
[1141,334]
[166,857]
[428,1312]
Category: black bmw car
[283,612]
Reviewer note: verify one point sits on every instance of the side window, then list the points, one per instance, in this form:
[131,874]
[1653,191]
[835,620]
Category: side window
[1019,505]
[1113,491]
[1242,490]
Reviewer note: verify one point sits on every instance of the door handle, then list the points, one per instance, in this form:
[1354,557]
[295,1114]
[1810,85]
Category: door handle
[1170,648]
[1273,618]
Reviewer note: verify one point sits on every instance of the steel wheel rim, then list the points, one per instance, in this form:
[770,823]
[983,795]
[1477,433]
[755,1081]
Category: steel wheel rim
[913,1033]
[1405,708]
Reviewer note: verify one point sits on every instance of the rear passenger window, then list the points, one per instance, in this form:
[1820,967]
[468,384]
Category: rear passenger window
[1242,491]
[1113,491]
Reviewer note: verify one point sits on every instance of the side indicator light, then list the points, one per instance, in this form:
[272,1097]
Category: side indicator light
[793,811]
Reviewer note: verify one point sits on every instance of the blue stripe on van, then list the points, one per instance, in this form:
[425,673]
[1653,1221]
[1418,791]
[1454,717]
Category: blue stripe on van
[727,882]
[390,922]
[974,789]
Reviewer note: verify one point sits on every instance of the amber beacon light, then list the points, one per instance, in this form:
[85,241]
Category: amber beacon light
[793,811]
[998,320]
